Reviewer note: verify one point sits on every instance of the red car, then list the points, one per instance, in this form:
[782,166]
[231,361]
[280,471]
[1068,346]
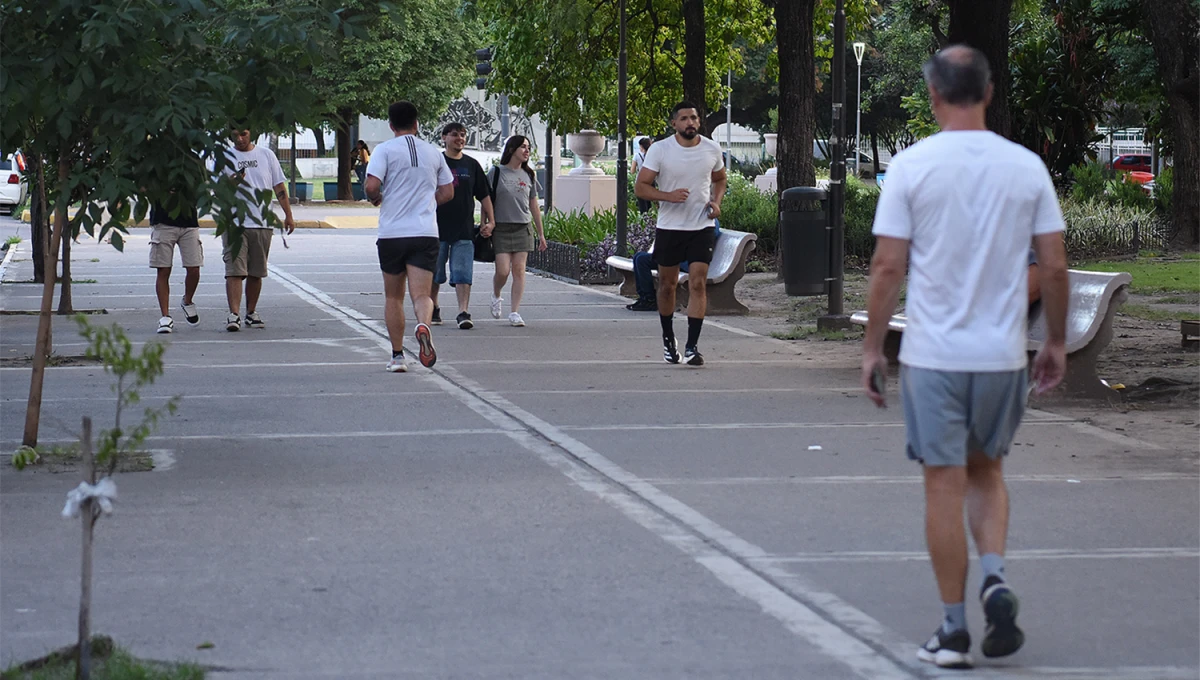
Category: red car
[1131,162]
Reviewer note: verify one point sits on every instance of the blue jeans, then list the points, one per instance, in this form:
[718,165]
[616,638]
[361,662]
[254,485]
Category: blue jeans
[643,264]
[461,257]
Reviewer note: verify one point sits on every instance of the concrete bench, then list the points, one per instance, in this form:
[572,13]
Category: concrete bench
[1094,300]
[727,268]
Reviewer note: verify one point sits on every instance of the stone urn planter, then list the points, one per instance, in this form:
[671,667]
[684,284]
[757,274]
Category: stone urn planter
[586,144]
[772,140]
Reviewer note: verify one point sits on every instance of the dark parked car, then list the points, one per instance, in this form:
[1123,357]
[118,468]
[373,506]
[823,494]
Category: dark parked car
[1131,162]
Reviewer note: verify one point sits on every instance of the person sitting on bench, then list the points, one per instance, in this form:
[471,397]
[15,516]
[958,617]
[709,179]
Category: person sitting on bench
[643,265]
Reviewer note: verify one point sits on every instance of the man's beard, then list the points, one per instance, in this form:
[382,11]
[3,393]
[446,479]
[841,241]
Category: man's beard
[689,134]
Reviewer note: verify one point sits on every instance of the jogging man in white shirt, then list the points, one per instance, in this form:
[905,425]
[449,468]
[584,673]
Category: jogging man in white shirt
[691,181]
[258,169]
[966,204]
[408,178]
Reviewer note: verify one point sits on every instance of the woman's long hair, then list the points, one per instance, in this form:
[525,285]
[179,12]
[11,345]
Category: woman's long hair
[515,142]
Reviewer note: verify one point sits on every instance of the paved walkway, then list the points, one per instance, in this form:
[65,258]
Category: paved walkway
[550,501]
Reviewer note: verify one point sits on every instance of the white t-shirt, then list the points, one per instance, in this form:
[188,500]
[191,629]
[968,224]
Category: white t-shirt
[639,159]
[689,168]
[410,170]
[260,170]
[969,203]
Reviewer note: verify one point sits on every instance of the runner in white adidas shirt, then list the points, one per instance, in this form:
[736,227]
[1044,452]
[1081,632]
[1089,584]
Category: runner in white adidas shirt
[258,169]
[965,205]
[408,178]
[690,173]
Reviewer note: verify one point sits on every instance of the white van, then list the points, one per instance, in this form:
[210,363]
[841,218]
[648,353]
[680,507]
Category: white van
[12,184]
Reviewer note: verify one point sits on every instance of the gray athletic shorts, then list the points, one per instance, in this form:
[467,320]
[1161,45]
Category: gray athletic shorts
[947,414]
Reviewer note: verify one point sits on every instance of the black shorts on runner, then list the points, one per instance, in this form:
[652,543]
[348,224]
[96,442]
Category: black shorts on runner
[396,254]
[672,247]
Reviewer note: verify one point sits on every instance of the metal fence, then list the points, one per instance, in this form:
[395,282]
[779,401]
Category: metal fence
[563,261]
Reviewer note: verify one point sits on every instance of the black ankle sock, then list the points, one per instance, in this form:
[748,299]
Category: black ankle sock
[668,326]
[694,325]
[397,352]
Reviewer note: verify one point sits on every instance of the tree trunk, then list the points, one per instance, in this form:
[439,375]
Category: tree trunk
[319,134]
[33,411]
[1171,26]
[695,61]
[64,296]
[983,24]
[797,89]
[83,667]
[38,233]
[344,192]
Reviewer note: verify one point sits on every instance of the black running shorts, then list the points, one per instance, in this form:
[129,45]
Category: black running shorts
[396,254]
[671,247]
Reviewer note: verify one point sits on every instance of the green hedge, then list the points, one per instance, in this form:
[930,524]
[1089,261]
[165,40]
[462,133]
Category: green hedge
[745,208]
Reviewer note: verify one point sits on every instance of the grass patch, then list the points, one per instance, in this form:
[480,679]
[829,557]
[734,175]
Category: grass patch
[1179,300]
[1150,313]
[13,240]
[94,259]
[1177,276]
[108,663]
[83,280]
[67,458]
[811,332]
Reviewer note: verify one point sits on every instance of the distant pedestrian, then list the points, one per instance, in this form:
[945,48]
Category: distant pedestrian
[362,157]
[456,222]
[175,224]
[691,183]
[639,159]
[965,205]
[408,178]
[515,201]
[256,168]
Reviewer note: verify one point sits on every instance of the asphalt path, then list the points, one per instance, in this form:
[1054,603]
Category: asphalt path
[548,502]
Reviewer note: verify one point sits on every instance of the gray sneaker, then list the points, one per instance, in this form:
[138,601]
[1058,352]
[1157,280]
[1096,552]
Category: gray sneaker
[233,323]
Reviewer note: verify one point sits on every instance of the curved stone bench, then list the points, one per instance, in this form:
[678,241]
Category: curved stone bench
[1092,304]
[728,267]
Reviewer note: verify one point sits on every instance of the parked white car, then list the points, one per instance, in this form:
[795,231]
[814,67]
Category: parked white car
[12,185]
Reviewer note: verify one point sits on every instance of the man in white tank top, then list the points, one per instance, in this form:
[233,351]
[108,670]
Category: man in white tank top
[959,212]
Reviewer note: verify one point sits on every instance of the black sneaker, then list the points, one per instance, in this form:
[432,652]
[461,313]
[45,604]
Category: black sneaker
[1001,637]
[436,320]
[693,357]
[670,351]
[643,305]
[464,321]
[947,650]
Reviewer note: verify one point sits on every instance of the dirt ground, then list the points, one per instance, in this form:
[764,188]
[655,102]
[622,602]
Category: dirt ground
[1160,402]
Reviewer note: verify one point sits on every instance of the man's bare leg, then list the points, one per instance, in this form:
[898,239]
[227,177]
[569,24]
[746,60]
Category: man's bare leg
[420,284]
[945,491]
[463,292]
[233,293]
[162,288]
[191,281]
[253,290]
[393,309]
[697,290]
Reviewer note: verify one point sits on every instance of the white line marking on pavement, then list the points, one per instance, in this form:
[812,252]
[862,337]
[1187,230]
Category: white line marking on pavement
[12,252]
[298,395]
[1129,442]
[855,640]
[290,364]
[905,479]
[1081,673]
[1035,554]
[270,436]
[750,426]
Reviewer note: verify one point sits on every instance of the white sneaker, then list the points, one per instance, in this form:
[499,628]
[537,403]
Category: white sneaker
[497,307]
[166,325]
[233,322]
[190,314]
[397,365]
[515,319]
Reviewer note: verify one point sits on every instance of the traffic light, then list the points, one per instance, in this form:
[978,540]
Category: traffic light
[483,67]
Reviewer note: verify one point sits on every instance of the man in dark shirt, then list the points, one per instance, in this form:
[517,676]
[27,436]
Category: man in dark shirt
[456,220]
[171,224]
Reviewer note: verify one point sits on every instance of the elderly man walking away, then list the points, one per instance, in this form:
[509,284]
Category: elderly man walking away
[408,178]
[965,204]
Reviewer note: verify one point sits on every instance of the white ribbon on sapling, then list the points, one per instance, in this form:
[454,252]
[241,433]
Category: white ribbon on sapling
[104,491]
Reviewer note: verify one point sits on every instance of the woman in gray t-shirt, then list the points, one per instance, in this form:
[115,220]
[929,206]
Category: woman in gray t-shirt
[515,203]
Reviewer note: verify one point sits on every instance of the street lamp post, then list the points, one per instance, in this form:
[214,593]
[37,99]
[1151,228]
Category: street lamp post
[622,157]
[859,49]
[836,318]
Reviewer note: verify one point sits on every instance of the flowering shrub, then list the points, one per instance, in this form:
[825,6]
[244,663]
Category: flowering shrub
[640,238]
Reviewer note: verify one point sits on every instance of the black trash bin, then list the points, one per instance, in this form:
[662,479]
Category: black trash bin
[804,240]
